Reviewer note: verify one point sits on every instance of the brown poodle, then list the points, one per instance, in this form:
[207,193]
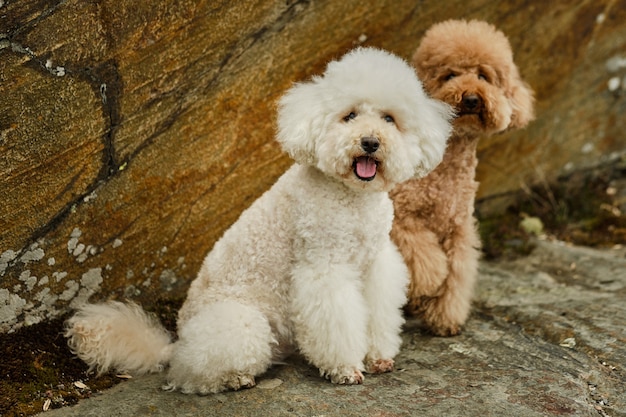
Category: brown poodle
[468,65]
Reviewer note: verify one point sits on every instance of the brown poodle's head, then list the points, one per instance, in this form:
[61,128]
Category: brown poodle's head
[469,65]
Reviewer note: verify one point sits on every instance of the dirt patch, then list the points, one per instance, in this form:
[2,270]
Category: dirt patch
[39,371]
[586,208]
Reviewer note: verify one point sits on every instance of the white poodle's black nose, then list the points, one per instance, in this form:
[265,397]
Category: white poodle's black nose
[370,144]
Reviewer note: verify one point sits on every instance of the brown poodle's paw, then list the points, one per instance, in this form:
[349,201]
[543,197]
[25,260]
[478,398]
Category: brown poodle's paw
[343,375]
[412,309]
[437,316]
[438,322]
[445,331]
[379,366]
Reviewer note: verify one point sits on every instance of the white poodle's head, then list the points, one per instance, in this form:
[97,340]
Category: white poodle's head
[366,122]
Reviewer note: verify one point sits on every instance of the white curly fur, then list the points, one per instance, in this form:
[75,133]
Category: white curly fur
[310,265]
[134,339]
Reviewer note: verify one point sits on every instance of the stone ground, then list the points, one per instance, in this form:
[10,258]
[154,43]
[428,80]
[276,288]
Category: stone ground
[547,337]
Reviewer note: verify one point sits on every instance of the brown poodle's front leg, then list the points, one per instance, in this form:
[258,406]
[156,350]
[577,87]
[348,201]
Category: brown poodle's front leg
[446,313]
[423,255]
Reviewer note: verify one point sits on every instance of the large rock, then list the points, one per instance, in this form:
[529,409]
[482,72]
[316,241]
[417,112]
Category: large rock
[546,338]
[133,134]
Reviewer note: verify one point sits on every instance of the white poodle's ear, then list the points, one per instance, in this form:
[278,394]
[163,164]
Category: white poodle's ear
[433,129]
[298,126]
[429,125]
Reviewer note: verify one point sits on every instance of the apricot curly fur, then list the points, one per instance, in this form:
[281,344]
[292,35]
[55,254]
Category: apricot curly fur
[469,65]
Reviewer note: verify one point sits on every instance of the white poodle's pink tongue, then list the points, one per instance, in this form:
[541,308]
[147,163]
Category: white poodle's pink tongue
[365,167]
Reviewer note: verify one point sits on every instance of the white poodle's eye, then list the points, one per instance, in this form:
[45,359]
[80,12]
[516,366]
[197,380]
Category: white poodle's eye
[389,119]
[349,116]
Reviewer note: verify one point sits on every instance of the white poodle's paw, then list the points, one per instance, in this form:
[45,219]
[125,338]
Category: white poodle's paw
[379,366]
[240,381]
[232,382]
[344,375]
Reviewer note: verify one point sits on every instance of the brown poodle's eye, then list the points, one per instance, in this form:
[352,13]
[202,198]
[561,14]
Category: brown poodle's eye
[483,77]
[389,119]
[449,76]
[349,116]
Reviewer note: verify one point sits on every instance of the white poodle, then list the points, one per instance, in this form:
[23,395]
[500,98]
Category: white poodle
[310,265]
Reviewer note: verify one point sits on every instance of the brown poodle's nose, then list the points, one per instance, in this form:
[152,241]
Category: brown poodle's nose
[471,102]
[369,144]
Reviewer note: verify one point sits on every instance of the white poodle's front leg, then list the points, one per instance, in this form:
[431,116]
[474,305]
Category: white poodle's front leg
[385,294]
[330,319]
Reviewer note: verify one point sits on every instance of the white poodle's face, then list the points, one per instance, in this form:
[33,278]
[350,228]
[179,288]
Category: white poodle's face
[367,122]
[362,147]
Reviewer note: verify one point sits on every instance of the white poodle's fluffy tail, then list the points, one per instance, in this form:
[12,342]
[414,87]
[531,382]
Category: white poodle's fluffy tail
[118,336]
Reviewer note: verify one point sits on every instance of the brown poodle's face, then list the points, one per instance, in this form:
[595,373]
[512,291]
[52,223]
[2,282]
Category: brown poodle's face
[469,65]
[476,93]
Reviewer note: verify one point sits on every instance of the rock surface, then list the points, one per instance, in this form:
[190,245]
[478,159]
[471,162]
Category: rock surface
[133,134]
[547,338]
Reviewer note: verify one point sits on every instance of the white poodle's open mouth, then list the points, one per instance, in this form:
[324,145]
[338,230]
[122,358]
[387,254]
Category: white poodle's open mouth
[365,168]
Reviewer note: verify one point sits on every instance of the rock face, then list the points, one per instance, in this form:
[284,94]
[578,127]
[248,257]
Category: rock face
[133,134]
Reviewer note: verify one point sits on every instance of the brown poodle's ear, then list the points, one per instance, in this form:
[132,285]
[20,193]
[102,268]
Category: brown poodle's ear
[522,101]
